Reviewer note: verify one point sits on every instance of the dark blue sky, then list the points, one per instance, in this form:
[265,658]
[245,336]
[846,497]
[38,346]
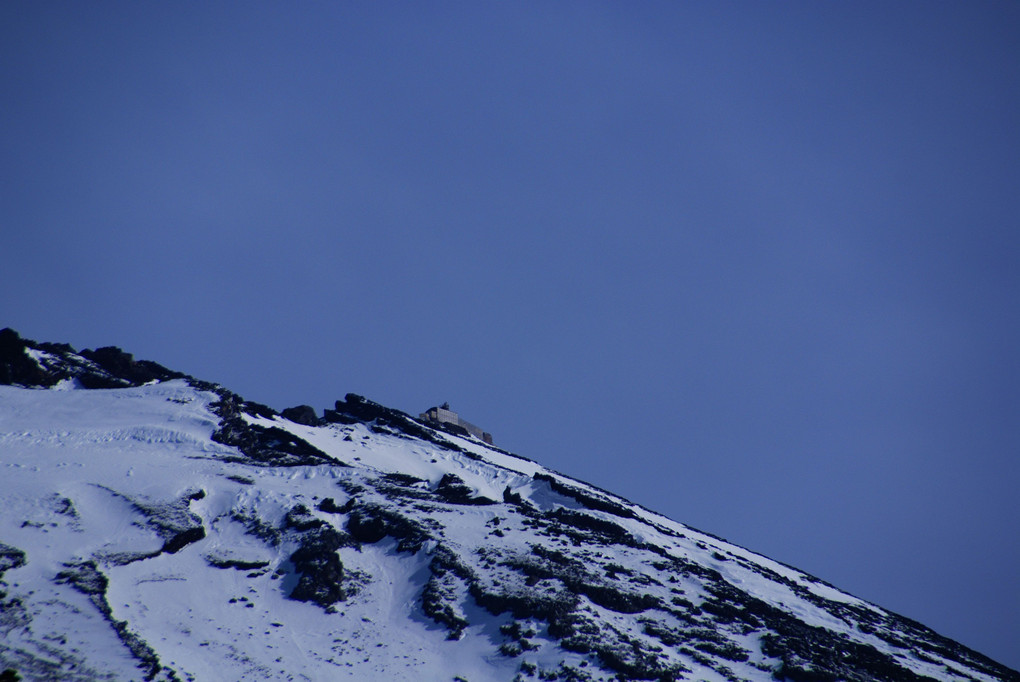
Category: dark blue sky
[753,265]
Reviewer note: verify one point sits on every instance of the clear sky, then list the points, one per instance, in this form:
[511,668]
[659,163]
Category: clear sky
[753,265]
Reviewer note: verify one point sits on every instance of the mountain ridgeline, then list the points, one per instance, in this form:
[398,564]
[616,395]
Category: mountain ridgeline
[161,527]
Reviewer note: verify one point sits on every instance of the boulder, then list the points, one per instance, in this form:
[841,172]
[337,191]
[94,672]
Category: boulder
[302,414]
[16,367]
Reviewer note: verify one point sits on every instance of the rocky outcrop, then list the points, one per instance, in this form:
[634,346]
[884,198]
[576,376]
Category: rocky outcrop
[28,363]
[123,366]
[371,523]
[302,414]
[262,445]
[10,557]
[86,577]
[354,409]
[322,572]
[16,367]
[452,489]
[565,580]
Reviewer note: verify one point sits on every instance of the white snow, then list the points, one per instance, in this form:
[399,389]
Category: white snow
[78,465]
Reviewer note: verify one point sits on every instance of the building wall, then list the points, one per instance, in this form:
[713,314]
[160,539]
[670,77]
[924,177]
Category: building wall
[443,416]
[440,415]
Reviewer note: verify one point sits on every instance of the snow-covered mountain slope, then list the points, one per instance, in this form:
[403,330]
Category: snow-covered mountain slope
[158,527]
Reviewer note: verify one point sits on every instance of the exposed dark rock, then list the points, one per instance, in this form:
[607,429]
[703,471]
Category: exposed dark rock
[557,609]
[578,578]
[365,410]
[10,557]
[237,564]
[16,367]
[301,519]
[302,414]
[334,417]
[320,567]
[257,409]
[905,632]
[606,531]
[125,558]
[87,579]
[453,489]
[582,563]
[355,409]
[511,497]
[262,445]
[181,540]
[59,366]
[403,479]
[440,595]
[107,367]
[55,348]
[123,366]
[256,527]
[633,662]
[329,506]
[366,528]
[369,524]
[589,500]
[812,654]
[173,521]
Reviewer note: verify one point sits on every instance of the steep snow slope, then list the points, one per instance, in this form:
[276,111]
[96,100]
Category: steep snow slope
[166,529]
